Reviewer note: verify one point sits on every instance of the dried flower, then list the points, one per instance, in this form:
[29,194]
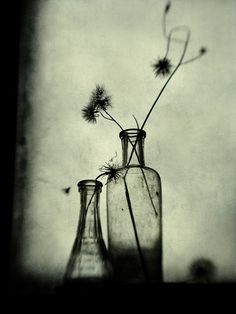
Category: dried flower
[162,67]
[112,170]
[90,113]
[99,100]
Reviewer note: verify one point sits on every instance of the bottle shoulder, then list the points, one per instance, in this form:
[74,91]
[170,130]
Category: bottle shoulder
[140,169]
[151,170]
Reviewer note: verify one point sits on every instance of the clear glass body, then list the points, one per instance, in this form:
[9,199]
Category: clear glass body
[89,260]
[134,216]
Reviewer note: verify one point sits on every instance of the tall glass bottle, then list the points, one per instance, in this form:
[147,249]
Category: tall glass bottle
[134,215]
[89,261]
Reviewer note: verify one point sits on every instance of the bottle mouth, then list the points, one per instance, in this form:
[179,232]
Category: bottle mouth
[89,183]
[132,133]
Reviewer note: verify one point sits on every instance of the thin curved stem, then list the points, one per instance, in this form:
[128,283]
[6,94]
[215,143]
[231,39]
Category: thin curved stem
[149,193]
[164,25]
[169,38]
[113,119]
[192,59]
[105,117]
[136,121]
[100,175]
[168,46]
[178,28]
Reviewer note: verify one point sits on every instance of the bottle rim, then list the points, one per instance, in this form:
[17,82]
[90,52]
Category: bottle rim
[89,182]
[132,133]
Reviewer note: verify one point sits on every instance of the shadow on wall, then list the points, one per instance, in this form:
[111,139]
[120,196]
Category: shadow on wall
[202,270]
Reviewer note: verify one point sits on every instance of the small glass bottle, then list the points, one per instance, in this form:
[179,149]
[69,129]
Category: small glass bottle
[134,215]
[89,260]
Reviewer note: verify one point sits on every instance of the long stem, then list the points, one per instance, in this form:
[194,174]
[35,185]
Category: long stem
[164,24]
[192,59]
[135,231]
[113,119]
[149,193]
[162,90]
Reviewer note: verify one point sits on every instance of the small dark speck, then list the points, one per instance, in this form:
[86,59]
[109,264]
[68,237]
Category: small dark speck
[66,190]
[122,209]
[157,193]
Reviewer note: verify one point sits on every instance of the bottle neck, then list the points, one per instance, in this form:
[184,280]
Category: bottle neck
[89,224]
[131,138]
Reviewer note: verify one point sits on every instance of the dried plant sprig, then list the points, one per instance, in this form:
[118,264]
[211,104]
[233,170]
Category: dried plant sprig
[111,170]
[96,107]
[98,104]
[181,62]
[99,101]
[99,98]
[162,90]
[90,114]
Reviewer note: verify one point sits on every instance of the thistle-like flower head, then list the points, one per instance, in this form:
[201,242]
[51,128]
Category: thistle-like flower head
[162,67]
[112,170]
[90,113]
[99,100]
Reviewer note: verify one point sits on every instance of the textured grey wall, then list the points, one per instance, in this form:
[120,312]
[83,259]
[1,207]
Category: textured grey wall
[190,135]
